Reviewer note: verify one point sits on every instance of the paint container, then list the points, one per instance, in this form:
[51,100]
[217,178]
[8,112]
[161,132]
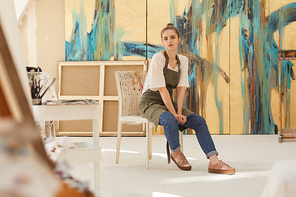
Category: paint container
[37,101]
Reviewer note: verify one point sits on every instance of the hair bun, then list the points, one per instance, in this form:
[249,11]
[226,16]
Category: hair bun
[170,25]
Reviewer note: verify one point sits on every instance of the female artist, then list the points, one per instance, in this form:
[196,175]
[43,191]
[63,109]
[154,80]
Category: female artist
[169,70]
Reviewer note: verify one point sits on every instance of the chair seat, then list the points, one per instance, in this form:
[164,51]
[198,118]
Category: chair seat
[133,120]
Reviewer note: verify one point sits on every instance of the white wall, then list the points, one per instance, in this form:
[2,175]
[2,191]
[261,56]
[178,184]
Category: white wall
[49,34]
[9,25]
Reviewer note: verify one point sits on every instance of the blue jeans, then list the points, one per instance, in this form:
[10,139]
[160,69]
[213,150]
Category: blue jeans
[195,122]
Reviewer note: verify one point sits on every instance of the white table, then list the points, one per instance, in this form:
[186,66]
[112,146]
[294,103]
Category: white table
[70,112]
[85,152]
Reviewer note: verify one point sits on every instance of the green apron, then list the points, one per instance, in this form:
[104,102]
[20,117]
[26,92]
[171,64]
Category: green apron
[152,106]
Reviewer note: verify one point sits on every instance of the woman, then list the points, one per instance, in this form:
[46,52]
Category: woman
[169,70]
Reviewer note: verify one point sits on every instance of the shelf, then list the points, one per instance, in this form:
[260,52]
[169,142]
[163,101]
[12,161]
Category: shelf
[286,54]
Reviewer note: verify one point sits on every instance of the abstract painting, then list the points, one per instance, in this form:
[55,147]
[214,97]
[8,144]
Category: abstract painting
[231,45]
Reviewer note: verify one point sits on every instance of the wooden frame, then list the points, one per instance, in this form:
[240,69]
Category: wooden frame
[102,94]
[284,133]
[13,93]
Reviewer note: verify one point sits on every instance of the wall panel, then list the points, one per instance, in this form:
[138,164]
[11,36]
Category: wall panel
[231,45]
[95,80]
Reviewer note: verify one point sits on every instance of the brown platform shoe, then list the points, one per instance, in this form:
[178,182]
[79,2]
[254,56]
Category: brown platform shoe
[181,161]
[221,168]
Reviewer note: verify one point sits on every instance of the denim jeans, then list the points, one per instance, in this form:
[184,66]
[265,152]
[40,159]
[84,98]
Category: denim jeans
[195,122]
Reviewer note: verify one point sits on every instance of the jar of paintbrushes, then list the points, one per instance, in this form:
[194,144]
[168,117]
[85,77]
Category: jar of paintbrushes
[37,89]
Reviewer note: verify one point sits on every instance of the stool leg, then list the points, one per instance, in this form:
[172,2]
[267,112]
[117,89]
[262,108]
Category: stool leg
[150,140]
[118,141]
[148,144]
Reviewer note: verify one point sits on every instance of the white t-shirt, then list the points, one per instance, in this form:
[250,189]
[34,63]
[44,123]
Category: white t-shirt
[155,78]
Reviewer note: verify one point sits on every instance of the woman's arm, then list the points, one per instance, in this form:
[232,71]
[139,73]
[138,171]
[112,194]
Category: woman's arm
[167,100]
[180,100]
[169,105]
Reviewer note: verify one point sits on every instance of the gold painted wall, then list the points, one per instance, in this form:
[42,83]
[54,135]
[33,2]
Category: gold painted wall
[231,46]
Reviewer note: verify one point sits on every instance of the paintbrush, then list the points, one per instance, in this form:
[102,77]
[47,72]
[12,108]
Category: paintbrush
[47,88]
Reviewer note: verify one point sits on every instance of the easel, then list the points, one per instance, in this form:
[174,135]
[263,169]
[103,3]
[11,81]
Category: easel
[284,133]
[14,103]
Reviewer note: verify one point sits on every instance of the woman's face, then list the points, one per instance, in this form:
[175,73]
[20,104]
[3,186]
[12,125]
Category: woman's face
[170,40]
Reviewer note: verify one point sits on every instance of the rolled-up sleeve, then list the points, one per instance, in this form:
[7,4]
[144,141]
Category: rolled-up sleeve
[156,73]
[184,73]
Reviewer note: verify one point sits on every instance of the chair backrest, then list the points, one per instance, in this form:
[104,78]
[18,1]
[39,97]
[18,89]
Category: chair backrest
[129,88]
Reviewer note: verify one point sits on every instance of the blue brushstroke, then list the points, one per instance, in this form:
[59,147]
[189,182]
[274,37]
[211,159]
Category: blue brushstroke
[88,46]
[98,43]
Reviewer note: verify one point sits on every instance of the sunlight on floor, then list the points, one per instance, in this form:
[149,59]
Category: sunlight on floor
[122,151]
[159,194]
[135,152]
[165,156]
[216,177]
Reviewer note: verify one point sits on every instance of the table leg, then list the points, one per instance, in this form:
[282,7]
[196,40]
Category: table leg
[96,134]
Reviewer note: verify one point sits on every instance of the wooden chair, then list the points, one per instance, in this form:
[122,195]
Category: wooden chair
[129,88]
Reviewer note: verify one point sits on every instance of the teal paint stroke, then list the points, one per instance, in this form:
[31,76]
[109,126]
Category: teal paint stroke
[173,12]
[242,45]
[98,44]
[104,42]
[253,56]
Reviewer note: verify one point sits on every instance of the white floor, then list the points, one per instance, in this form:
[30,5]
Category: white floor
[252,155]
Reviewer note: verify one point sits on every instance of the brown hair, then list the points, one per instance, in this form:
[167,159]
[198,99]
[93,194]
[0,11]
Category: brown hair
[170,26]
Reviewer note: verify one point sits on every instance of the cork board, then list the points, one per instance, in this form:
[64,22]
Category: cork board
[73,76]
[74,83]
[75,128]
[110,123]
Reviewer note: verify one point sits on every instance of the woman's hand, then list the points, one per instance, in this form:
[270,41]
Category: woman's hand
[181,118]
[168,103]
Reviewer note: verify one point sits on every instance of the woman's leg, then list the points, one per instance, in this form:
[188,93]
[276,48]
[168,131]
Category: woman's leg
[204,138]
[171,130]
[199,125]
